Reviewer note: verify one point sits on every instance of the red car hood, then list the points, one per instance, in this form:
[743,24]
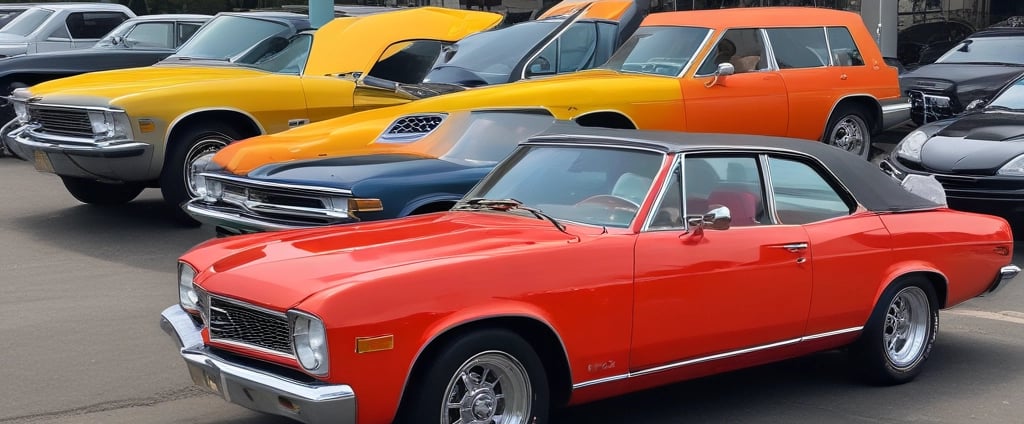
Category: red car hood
[278,270]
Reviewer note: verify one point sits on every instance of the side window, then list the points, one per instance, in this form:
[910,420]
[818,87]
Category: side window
[151,35]
[185,31]
[89,25]
[572,51]
[799,47]
[544,63]
[669,215]
[60,32]
[844,50]
[576,46]
[743,48]
[731,181]
[802,194]
[607,34]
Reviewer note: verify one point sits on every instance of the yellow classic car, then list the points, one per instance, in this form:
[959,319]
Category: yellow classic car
[111,134]
[807,73]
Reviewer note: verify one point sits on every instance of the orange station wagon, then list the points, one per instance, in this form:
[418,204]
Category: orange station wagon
[806,73]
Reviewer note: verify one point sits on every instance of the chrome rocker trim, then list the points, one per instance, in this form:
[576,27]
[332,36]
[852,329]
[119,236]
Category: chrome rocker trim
[254,388]
[709,358]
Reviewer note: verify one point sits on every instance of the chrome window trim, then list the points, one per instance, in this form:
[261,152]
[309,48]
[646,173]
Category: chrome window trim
[700,48]
[715,357]
[828,45]
[249,183]
[769,189]
[773,64]
[676,164]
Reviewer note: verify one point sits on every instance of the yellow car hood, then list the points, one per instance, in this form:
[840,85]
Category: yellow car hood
[117,83]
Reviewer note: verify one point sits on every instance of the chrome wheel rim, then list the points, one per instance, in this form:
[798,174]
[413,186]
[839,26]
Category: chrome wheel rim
[906,327]
[490,388]
[849,134]
[198,156]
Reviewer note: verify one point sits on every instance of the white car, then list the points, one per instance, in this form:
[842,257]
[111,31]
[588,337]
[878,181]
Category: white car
[60,26]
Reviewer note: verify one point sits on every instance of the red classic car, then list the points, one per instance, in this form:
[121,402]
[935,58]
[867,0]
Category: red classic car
[588,264]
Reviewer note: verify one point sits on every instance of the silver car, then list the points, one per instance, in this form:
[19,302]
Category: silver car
[60,26]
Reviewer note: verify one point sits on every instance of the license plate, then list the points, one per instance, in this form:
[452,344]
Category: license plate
[42,162]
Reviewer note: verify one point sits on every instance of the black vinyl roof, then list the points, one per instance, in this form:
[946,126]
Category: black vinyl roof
[871,187]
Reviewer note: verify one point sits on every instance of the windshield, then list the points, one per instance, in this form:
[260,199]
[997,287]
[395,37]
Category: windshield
[658,50]
[8,15]
[986,50]
[590,185]
[492,55]
[227,36]
[1011,98]
[289,60]
[491,136]
[27,22]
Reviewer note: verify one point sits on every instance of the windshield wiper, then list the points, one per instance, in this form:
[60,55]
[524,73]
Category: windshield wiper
[504,205]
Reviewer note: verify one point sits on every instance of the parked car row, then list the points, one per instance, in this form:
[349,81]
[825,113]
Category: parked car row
[499,228]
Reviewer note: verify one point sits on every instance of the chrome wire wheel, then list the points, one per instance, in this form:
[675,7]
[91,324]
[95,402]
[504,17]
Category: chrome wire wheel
[489,388]
[849,134]
[198,156]
[905,332]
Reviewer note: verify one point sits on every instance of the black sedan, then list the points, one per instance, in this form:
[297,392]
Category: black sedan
[974,69]
[978,157]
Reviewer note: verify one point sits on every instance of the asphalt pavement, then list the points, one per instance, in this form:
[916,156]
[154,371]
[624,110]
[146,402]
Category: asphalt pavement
[81,288]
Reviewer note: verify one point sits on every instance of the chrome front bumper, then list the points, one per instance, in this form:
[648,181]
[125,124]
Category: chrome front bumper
[895,112]
[229,218]
[1006,274]
[121,161]
[254,388]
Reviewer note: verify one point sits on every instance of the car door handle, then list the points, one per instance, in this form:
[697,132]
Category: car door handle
[793,247]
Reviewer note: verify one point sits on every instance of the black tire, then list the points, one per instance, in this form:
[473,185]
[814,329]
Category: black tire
[427,393]
[878,364]
[838,130]
[100,193]
[187,146]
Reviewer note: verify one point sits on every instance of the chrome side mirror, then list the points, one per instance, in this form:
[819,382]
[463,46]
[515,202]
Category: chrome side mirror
[976,104]
[716,219]
[724,69]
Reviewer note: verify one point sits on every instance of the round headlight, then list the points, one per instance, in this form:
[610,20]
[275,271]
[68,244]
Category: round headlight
[309,341]
[910,146]
[187,297]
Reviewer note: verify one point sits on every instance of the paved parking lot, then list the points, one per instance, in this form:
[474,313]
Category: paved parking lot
[81,288]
